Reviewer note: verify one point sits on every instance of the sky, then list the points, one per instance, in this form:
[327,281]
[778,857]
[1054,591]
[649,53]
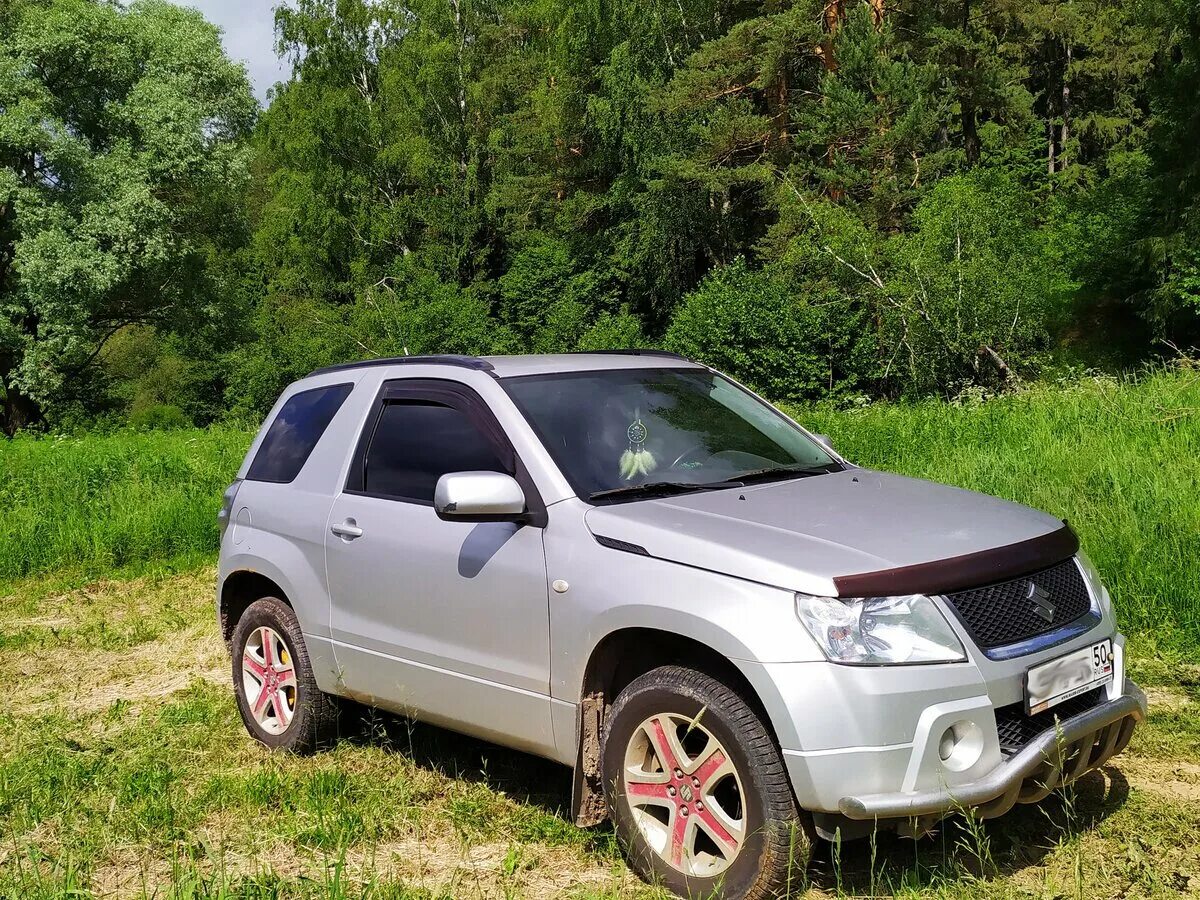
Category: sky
[248,28]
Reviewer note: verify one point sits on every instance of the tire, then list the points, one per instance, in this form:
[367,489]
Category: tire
[285,710]
[750,840]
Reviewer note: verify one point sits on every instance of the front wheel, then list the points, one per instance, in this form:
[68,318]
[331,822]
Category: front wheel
[697,790]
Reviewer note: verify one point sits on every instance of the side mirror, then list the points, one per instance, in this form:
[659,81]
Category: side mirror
[478,497]
[825,441]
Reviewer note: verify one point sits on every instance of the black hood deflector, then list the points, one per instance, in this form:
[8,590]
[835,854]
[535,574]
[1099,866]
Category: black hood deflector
[967,571]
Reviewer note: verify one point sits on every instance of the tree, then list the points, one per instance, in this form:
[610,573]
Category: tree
[122,158]
[1163,278]
[857,195]
[963,297]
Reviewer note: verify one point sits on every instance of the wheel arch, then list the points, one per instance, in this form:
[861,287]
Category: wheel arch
[239,589]
[616,660]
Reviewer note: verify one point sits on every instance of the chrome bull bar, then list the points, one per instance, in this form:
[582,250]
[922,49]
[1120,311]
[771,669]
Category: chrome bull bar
[1055,757]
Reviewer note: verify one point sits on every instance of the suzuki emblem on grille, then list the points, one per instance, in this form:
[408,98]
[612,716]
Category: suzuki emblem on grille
[1041,601]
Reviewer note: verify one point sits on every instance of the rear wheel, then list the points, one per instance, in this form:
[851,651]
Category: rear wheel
[697,790]
[277,694]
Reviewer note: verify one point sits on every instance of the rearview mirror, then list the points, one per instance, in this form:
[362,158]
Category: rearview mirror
[478,497]
[824,440]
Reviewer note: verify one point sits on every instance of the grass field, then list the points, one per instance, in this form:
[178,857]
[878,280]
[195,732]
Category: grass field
[124,770]
[102,502]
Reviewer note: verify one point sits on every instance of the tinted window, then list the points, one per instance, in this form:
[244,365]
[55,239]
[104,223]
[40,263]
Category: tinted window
[295,432]
[415,444]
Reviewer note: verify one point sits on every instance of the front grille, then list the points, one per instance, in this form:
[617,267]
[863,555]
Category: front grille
[1005,613]
[1017,729]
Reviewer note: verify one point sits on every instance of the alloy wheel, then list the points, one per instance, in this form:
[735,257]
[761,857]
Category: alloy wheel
[685,794]
[269,679]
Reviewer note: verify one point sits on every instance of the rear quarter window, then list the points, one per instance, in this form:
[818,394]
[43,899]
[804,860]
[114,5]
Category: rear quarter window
[295,432]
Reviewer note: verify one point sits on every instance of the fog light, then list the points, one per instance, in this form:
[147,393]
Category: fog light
[961,745]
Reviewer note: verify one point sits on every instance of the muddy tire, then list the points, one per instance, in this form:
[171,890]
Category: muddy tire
[697,791]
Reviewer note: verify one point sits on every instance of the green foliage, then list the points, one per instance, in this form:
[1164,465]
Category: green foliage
[1162,274]
[753,326]
[933,196]
[974,285]
[548,303]
[405,314]
[120,164]
[161,416]
[911,199]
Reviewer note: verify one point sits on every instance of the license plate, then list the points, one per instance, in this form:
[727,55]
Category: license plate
[1068,676]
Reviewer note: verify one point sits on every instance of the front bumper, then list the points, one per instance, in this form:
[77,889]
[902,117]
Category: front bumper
[1056,756]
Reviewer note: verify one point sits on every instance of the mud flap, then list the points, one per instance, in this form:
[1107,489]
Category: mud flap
[587,792]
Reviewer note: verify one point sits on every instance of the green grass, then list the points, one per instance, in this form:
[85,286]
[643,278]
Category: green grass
[118,501]
[125,771]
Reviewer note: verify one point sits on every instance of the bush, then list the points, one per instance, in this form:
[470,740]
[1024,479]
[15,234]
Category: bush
[409,313]
[160,416]
[613,332]
[975,283]
[753,326]
[554,303]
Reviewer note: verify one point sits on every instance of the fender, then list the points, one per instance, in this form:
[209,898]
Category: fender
[631,636]
[305,591]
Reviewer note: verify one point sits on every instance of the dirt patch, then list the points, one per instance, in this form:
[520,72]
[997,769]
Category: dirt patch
[129,874]
[492,869]
[1174,779]
[440,864]
[92,680]
[1167,698]
[182,644]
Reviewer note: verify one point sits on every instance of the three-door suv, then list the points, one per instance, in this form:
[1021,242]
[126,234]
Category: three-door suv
[628,563]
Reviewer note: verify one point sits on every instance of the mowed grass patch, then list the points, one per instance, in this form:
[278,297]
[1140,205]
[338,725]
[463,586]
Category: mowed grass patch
[1119,460]
[96,503]
[125,771]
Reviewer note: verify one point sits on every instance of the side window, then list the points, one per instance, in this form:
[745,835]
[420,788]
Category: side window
[415,443]
[295,432]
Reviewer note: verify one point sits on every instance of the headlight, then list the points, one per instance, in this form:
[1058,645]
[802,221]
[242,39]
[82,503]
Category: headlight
[1095,586]
[880,630]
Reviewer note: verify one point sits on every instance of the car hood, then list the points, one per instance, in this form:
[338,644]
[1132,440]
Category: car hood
[803,533]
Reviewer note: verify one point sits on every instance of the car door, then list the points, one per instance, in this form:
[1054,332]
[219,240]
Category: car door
[444,621]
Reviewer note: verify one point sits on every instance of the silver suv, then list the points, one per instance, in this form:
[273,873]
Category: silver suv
[629,563]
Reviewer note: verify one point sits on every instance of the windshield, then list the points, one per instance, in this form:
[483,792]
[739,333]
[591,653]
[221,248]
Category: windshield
[652,429]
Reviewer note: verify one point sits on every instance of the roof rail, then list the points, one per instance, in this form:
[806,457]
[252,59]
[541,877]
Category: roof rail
[632,351]
[444,359]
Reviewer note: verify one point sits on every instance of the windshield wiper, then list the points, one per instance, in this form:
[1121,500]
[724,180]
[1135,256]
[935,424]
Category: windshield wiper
[663,488]
[795,470]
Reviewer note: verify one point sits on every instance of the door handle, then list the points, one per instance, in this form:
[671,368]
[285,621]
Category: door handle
[347,530]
